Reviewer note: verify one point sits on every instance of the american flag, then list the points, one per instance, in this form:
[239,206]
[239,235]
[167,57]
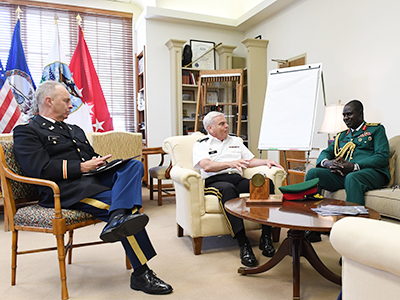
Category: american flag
[10,115]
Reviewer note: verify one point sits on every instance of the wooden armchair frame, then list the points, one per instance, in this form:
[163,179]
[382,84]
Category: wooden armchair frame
[59,226]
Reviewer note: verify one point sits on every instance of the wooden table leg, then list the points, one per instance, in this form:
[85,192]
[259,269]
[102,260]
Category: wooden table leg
[295,245]
[296,238]
[309,253]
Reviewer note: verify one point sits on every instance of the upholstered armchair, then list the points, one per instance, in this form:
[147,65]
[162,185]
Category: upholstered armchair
[370,258]
[198,215]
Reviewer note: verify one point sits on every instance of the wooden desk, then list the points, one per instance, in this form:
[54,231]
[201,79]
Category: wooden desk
[298,217]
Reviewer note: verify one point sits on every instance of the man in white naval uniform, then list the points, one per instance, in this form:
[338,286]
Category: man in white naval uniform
[221,158]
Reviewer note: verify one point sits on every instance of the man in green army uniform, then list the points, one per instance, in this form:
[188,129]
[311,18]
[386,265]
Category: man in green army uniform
[357,160]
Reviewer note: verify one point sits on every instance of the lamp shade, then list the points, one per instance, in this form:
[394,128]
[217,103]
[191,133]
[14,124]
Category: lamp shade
[333,119]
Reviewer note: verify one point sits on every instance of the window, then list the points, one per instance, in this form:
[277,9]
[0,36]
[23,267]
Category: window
[108,37]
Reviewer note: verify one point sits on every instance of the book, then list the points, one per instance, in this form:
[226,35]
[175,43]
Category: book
[108,166]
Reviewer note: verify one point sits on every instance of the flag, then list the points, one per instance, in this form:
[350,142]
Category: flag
[56,69]
[19,76]
[10,115]
[86,79]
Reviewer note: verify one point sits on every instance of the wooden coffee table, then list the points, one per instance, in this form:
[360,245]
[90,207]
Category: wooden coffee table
[298,217]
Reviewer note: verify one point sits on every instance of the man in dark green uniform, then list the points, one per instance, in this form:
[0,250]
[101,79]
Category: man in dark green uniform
[357,160]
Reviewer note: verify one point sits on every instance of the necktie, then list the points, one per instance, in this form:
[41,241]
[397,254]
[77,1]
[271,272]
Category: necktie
[62,125]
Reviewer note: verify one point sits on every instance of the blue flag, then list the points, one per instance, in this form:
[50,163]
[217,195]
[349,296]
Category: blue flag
[20,77]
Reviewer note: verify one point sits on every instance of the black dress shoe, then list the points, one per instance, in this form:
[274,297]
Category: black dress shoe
[123,225]
[266,246]
[247,256]
[313,236]
[149,283]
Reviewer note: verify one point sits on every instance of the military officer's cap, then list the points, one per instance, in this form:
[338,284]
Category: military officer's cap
[301,191]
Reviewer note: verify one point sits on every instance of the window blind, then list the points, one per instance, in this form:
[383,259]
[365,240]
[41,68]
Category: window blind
[108,37]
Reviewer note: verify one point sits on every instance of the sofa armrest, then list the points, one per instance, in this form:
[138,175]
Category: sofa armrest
[183,175]
[277,175]
[369,242]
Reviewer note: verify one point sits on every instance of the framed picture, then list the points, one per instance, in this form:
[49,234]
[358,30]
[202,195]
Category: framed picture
[212,97]
[188,95]
[202,55]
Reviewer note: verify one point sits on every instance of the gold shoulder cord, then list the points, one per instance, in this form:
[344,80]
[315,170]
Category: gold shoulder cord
[347,149]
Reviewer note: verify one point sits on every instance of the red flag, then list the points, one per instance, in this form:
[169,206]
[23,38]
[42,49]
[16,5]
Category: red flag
[86,80]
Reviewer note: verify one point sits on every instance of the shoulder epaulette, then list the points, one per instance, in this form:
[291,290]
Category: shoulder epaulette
[232,134]
[372,124]
[203,139]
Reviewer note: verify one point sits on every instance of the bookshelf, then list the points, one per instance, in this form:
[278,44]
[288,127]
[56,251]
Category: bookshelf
[184,86]
[189,99]
[141,101]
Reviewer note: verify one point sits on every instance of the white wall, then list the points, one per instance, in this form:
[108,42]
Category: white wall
[358,43]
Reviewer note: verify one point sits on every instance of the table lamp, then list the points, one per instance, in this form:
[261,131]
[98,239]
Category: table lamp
[333,120]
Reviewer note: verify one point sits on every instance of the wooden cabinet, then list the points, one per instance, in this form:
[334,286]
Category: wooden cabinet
[141,101]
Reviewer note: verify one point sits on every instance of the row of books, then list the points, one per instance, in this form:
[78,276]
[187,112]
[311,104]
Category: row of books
[188,77]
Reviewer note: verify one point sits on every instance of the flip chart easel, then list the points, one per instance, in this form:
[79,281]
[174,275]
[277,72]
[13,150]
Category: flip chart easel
[290,106]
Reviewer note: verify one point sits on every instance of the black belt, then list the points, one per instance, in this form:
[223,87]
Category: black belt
[221,177]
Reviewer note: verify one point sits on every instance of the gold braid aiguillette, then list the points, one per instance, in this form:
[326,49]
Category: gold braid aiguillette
[347,149]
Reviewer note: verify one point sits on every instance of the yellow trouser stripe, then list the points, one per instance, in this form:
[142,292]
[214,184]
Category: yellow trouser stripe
[95,203]
[131,239]
[101,205]
[214,191]
[136,248]
[228,223]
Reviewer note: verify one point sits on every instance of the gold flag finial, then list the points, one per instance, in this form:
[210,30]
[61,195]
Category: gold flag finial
[56,18]
[78,17]
[18,11]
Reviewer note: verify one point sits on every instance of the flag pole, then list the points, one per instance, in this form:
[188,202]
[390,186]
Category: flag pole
[56,18]
[18,11]
[79,18]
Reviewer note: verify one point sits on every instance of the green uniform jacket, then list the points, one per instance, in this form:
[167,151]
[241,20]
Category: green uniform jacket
[371,151]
